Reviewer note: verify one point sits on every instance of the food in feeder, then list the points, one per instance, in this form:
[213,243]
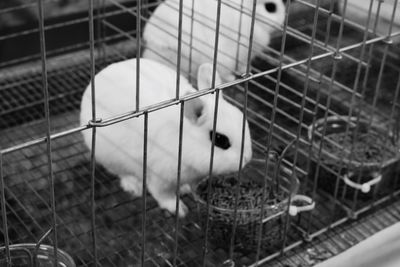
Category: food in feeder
[369,147]
[251,199]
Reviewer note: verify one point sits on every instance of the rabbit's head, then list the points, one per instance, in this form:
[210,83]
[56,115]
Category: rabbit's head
[228,132]
[270,15]
[271,10]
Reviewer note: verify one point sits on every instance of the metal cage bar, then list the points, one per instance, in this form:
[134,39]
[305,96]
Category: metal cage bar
[48,130]
[94,118]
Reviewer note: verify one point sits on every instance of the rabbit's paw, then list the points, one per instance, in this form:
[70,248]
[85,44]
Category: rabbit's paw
[132,185]
[170,205]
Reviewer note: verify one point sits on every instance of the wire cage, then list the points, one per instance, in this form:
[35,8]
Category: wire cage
[324,94]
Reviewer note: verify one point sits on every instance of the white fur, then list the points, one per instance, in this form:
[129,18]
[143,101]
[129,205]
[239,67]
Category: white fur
[161,33]
[119,147]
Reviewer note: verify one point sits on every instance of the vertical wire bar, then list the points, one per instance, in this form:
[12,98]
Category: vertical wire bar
[393,109]
[216,44]
[179,54]
[239,37]
[217,92]
[100,28]
[144,188]
[246,89]
[94,130]
[178,74]
[371,48]
[341,28]
[357,78]
[305,91]
[4,213]
[207,224]
[273,115]
[359,66]
[103,28]
[336,58]
[178,182]
[392,20]
[145,12]
[396,94]
[191,44]
[138,51]
[48,128]
[317,101]
[396,128]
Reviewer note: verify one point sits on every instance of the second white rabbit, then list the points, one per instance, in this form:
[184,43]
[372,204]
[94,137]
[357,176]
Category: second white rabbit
[198,34]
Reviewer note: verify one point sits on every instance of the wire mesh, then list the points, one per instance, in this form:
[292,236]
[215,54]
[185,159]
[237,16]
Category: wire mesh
[327,66]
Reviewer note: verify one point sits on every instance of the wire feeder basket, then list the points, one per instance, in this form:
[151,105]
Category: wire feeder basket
[34,255]
[359,167]
[253,218]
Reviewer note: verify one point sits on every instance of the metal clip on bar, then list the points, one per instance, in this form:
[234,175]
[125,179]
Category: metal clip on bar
[96,122]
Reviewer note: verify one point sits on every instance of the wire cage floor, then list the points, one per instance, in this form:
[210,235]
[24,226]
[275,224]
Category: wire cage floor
[328,230]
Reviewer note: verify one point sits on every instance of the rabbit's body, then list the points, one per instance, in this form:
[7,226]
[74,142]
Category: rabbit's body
[161,33]
[119,147]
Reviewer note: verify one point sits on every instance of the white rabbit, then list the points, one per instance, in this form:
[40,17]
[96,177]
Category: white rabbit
[119,147]
[161,33]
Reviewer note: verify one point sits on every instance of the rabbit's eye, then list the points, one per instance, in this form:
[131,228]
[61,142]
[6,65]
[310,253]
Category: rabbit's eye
[221,140]
[270,7]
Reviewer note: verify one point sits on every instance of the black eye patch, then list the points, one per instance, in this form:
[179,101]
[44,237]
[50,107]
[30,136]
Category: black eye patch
[221,140]
[270,7]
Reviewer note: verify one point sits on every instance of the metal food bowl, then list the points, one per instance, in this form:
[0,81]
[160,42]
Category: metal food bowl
[33,255]
[357,174]
[265,220]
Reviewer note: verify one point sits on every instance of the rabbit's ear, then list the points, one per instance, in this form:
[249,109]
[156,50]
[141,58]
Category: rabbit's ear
[194,109]
[204,76]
